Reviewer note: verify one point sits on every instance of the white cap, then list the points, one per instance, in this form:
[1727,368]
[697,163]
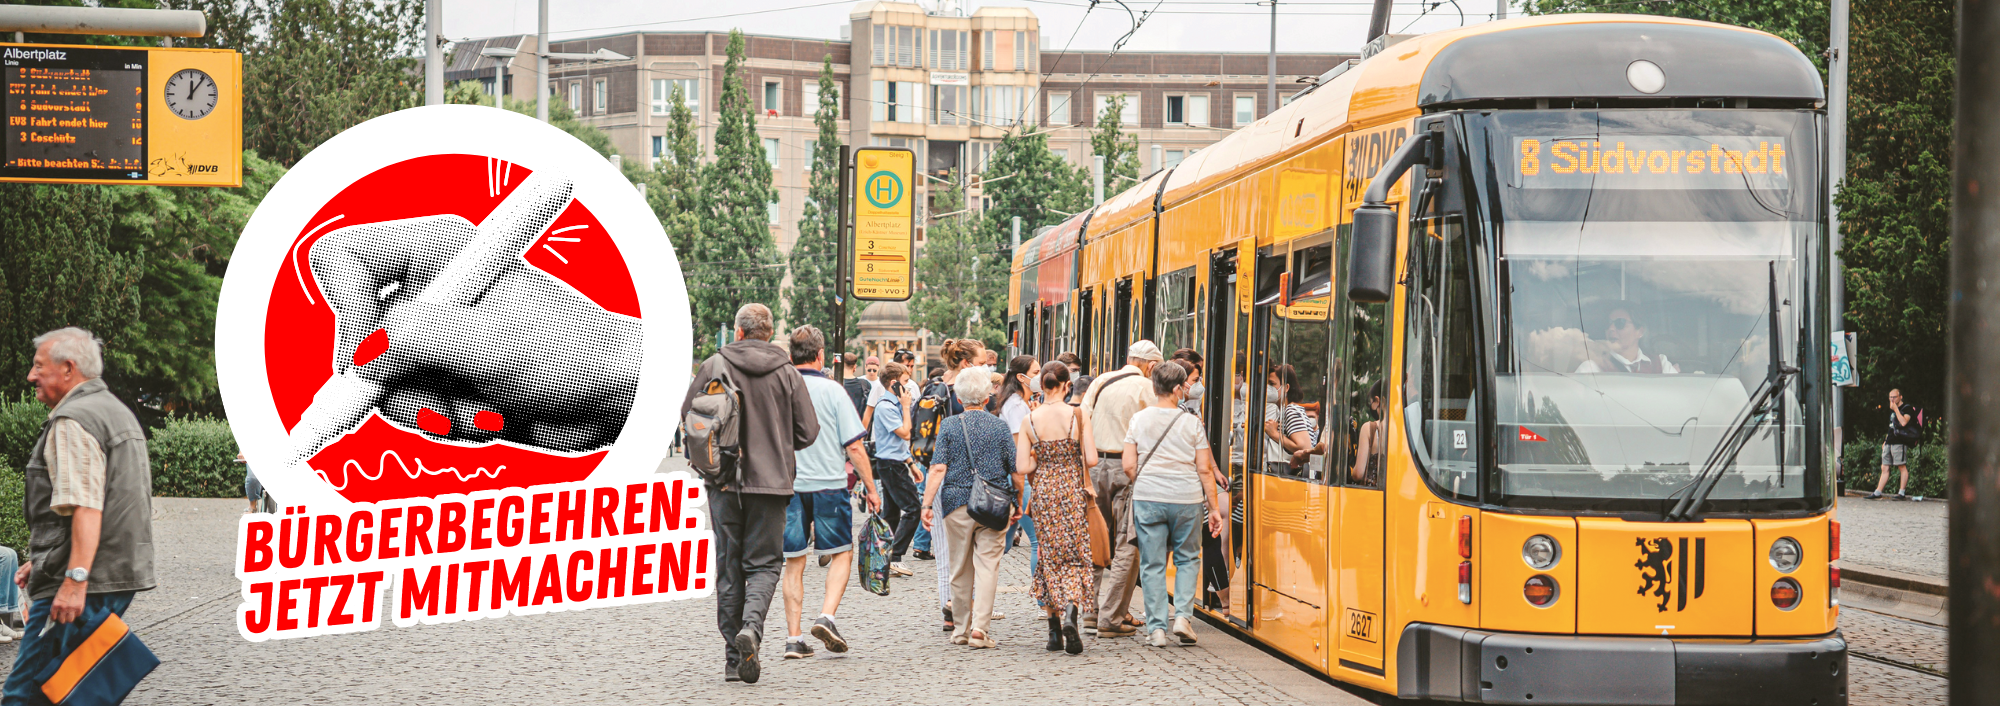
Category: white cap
[1144,350]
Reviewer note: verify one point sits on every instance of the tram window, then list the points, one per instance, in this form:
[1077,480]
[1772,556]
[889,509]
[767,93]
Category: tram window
[1441,363]
[1295,390]
[1355,433]
[1176,311]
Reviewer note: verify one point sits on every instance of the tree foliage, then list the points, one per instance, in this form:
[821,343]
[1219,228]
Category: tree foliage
[735,260]
[1804,23]
[676,200]
[1895,204]
[962,278]
[815,267]
[1120,149]
[1040,188]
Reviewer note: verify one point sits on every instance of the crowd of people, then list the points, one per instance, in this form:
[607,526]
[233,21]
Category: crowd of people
[962,461]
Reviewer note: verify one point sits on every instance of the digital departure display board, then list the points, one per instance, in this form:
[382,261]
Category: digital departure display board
[75,113]
[81,114]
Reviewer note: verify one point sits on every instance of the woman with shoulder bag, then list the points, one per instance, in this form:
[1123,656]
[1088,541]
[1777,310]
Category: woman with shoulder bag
[1172,482]
[968,502]
[1055,452]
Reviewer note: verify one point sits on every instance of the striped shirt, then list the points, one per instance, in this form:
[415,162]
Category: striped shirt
[76,468]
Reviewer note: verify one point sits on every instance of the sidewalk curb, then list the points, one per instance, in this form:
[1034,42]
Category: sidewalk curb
[1890,578]
[1852,493]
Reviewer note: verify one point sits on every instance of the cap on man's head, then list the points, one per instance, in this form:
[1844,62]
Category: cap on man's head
[872,360]
[1144,350]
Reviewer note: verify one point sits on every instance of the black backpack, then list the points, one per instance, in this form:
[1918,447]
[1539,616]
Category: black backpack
[930,410]
[1913,433]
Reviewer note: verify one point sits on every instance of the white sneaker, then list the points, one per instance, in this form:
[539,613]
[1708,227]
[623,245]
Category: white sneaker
[900,570]
[998,615]
[1159,639]
[1184,630]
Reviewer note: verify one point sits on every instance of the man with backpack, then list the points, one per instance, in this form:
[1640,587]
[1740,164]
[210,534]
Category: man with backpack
[1905,430]
[747,412]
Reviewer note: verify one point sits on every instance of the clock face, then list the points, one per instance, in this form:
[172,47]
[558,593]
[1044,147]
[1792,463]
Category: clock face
[191,94]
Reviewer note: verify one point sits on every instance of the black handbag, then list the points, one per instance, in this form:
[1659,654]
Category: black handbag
[991,505]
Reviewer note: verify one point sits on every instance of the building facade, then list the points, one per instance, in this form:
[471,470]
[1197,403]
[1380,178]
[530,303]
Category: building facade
[946,84]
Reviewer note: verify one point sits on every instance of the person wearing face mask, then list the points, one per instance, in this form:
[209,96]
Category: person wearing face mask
[1287,428]
[1195,389]
[1623,331]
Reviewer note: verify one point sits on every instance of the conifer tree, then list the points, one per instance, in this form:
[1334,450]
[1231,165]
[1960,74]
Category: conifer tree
[1119,148]
[814,267]
[734,260]
[677,200]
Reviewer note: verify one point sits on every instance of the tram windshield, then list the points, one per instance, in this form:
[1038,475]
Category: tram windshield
[1638,252]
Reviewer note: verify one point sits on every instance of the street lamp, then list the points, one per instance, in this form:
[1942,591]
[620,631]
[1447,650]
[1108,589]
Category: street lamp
[500,56]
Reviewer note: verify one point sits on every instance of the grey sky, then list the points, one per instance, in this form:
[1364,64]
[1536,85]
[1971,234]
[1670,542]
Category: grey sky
[1180,25]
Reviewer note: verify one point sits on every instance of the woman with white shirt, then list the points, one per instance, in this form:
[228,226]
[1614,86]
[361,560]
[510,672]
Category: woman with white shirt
[1167,458]
[1015,401]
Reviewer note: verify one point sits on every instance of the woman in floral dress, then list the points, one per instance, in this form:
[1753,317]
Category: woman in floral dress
[1054,452]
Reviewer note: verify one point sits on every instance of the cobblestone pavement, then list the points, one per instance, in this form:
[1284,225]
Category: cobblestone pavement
[1905,536]
[1876,684]
[1894,639]
[658,653]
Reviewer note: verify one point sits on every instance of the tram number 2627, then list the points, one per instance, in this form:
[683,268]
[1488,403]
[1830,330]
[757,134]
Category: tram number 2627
[1360,626]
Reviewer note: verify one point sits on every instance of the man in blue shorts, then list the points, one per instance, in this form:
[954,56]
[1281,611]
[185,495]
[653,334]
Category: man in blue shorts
[820,520]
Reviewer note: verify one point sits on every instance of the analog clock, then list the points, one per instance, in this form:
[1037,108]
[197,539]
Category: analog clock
[191,94]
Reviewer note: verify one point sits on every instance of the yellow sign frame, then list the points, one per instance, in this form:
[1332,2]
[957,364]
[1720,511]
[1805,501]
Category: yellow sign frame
[205,151]
[885,225]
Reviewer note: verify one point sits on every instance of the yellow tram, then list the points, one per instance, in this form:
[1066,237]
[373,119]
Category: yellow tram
[1550,294]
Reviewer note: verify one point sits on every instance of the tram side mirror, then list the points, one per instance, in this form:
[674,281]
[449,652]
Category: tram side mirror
[1371,264]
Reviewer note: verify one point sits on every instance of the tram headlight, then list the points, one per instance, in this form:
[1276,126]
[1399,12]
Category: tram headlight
[1785,594]
[1541,552]
[1540,590]
[1785,554]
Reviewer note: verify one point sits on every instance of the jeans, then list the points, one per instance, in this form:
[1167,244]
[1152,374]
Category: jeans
[38,651]
[749,556]
[253,489]
[1164,527]
[923,539]
[10,595]
[1026,527]
[900,502]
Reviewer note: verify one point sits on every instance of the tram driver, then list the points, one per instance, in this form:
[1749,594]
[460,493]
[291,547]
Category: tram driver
[1622,332]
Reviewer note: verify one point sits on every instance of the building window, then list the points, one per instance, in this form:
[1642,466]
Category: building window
[1061,153]
[1187,110]
[1128,116]
[879,46]
[1246,110]
[772,207]
[948,105]
[986,51]
[1058,108]
[964,52]
[1172,158]
[1286,100]
[663,92]
[576,97]
[1020,51]
[812,154]
[598,96]
[771,96]
[771,151]
[878,102]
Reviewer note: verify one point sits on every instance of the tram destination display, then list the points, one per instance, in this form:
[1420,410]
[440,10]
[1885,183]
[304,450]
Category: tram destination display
[78,114]
[75,113]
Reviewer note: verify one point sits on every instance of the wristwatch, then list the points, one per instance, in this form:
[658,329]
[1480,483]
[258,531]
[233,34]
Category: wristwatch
[78,574]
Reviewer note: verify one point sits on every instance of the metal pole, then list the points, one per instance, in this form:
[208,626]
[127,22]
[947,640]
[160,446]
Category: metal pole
[434,52]
[1378,19]
[500,83]
[1974,370]
[1271,65]
[542,61]
[101,20]
[840,292]
[1836,165]
[1500,9]
[1097,179]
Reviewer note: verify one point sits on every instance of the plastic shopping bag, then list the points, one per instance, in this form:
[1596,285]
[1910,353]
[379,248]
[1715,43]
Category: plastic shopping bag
[874,563]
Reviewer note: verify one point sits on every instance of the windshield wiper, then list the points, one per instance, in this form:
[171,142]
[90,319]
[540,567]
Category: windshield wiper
[1758,409]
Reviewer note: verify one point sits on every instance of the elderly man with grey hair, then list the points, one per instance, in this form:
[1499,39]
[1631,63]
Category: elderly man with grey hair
[972,447]
[89,507]
[775,420]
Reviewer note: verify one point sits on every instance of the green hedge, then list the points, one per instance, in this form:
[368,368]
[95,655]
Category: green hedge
[1861,465]
[195,457]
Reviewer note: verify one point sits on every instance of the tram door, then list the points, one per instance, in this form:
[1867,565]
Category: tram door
[1121,325]
[1289,478]
[1222,561]
[1357,432]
